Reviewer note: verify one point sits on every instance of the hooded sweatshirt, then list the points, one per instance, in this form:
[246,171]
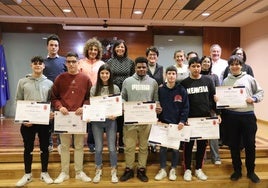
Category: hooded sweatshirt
[252,89]
[36,89]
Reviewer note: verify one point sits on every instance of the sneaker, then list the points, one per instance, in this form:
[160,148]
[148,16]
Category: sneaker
[161,175]
[83,177]
[97,177]
[172,174]
[121,149]
[92,148]
[254,178]
[187,175]
[200,174]
[129,173]
[59,149]
[50,148]
[46,178]
[62,177]
[27,178]
[217,162]
[114,178]
[141,175]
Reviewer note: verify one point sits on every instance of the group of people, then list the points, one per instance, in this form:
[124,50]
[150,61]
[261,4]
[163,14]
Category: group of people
[69,83]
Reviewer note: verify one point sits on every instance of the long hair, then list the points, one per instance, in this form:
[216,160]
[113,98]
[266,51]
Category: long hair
[100,84]
[202,59]
[89,44]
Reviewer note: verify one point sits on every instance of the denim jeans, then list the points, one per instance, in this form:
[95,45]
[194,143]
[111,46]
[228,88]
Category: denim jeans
[163,158]
[98,130]
[214,150]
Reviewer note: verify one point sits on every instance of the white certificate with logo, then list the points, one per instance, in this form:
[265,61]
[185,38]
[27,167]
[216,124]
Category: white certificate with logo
[94,112]
[71,123]
[231,97]
[140,113]
[33,112]
[168,135]
[203,128]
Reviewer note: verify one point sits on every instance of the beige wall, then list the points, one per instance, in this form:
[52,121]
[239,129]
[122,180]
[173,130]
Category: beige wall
[254,39]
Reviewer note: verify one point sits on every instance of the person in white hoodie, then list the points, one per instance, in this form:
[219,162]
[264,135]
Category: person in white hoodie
[35,87]
[242,122]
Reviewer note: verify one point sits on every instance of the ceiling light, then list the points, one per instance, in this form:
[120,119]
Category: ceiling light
[137,12]
[101,28]
[205,14]
[66,10]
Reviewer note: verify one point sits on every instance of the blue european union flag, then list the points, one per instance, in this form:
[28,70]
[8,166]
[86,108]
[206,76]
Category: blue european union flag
[4,79]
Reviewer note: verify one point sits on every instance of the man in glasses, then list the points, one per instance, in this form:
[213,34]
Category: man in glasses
[71,90]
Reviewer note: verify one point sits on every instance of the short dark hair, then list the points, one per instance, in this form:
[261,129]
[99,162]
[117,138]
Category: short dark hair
[53,37]
[194,60]
[37,58]
[72,54]
[171,68]
[117,43]
[153,49]
[141,60]
[235,58]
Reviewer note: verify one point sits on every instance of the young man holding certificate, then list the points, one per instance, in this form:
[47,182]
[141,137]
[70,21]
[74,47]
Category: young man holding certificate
[70,92]
[35,87]
[201,91]
[241,122]
[140,88]
[174,102]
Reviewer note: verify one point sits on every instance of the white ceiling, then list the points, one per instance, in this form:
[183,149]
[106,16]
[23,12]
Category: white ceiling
[231,13]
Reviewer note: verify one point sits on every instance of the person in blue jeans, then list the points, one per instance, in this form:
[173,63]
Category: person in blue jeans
[174,102]
[104,86]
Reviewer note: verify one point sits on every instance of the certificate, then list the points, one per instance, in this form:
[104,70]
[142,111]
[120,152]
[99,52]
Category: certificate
[203,128]
[231,97]
[140,113]
[33,112]
[112,104]
[71,123]
[94,112]
[168,135]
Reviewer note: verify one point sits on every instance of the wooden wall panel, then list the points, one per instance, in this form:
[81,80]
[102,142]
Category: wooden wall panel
[227,37]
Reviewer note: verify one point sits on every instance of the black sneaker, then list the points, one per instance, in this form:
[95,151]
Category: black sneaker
[141,174]
[121,149]
[236,176]
[254,178]
[129,173]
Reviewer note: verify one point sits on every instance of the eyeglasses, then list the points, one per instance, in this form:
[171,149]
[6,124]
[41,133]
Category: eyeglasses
[71,61]
[37,63]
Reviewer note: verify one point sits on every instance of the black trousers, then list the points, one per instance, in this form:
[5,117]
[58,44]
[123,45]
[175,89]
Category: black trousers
[242,126]
[28,135]
[200,153]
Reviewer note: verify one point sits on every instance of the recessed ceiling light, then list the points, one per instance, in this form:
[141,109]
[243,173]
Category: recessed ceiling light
[170,40]
[29,28]
[205,14]
[66,10]
[181,31]
[137,12]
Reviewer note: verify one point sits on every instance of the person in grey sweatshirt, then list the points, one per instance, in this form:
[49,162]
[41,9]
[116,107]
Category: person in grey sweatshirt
[242,122]
[139,87]
[35,87]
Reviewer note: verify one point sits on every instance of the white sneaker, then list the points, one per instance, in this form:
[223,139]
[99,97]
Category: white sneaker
[161,175]
[46,178]
[217,162]
[200,174]
[62,177]
[59,149]
[83,177]
[172,174]
[187,175]
[27,178]
[97,177]
[114,178]
[50,148]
